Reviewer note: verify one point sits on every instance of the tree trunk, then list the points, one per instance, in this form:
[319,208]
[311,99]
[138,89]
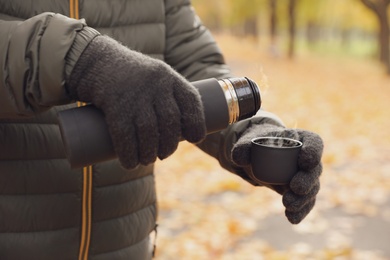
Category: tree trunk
[380,7]
[273,28]
[273,18]
[384,34]
[312,32]
[292,28]
[250,26]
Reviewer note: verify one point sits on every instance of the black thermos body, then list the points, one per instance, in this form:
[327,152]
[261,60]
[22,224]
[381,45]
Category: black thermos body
[87,140]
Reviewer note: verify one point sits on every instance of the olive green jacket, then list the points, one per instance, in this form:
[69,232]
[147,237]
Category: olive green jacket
[48,210]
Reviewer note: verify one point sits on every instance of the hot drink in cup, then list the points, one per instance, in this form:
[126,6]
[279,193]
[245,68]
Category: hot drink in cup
[274,159]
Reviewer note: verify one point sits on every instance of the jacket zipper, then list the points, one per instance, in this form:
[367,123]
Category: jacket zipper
[74,9]
[87,177]
[86,213]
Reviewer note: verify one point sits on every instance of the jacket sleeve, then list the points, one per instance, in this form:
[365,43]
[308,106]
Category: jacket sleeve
[190,47]
[193,52]
[36,57]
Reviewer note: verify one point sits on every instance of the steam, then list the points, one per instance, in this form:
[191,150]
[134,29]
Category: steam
[279,139]
[287,138]
[262,80]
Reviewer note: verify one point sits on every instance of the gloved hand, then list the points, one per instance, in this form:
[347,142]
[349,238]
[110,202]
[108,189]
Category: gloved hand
[299,195]
[147,105]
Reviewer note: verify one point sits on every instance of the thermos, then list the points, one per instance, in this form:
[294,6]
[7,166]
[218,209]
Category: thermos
[87,140]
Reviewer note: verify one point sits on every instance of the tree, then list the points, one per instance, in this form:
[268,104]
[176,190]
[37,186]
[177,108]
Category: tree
[211,12]
[243,15]
[379,7]
[291,29]
[273,24]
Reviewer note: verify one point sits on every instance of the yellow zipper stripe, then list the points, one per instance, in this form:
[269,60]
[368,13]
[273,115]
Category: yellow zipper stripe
[89,212]
[71,8]
[86,218]
[84,214]
[76,9]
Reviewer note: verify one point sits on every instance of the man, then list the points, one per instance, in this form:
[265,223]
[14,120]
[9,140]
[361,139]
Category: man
[49,61]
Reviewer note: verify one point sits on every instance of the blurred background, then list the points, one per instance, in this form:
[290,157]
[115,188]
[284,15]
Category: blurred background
[328,70]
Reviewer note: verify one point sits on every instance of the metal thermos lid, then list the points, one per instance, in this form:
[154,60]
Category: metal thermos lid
[248,96]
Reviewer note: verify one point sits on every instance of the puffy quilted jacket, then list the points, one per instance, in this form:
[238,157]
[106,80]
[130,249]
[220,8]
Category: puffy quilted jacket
[48,210]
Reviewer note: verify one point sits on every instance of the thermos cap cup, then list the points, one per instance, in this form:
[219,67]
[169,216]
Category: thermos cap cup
[274,159]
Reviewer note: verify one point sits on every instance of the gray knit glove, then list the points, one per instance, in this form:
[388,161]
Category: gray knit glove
[147,105]
[300,195]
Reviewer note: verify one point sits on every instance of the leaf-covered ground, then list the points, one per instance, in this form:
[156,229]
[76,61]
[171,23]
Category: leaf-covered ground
[208,213]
